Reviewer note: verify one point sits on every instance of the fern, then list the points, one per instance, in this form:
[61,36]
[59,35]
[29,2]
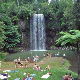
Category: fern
[72,36]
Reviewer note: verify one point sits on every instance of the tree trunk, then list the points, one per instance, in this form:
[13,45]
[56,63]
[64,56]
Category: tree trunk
[77,46]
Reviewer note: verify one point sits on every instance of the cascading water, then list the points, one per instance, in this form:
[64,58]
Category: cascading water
[49,1]
[37,32]
[18,2]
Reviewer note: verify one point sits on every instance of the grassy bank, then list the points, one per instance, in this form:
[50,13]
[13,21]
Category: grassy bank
[57,74]
[57,70]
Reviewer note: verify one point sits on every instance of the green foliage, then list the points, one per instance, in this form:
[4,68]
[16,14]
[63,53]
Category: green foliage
[24,12]
[68,37]
[15,20]
[6,20]
[76,14]
[60,15]
[12,37]
[64,39]
[12,9]
[75,32]
[73,36]
[4,7]
[2,34]
[2,55]
[11,33]
[68,15]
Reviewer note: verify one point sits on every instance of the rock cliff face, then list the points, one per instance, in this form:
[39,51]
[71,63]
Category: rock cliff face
[22,25]
[50,36]
[25,36]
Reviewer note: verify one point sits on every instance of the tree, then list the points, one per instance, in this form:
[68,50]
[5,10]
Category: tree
[25,12]
[73,36]
[68,15]
[2,34]
[11,32]
[76,13]
[12,38]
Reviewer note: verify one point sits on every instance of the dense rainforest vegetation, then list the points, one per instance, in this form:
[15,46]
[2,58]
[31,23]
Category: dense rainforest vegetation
[60,15]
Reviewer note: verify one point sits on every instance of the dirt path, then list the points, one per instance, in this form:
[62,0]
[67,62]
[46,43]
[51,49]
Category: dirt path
[29,64]
[12,68]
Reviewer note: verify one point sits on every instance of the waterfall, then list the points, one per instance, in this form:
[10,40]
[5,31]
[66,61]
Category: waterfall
[18,2]
[49,1]
[37,32]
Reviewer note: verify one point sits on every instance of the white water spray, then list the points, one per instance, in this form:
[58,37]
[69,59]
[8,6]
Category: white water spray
[37,32]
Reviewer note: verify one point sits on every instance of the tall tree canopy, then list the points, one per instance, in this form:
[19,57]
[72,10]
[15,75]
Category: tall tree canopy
[60,15]
[2,35]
